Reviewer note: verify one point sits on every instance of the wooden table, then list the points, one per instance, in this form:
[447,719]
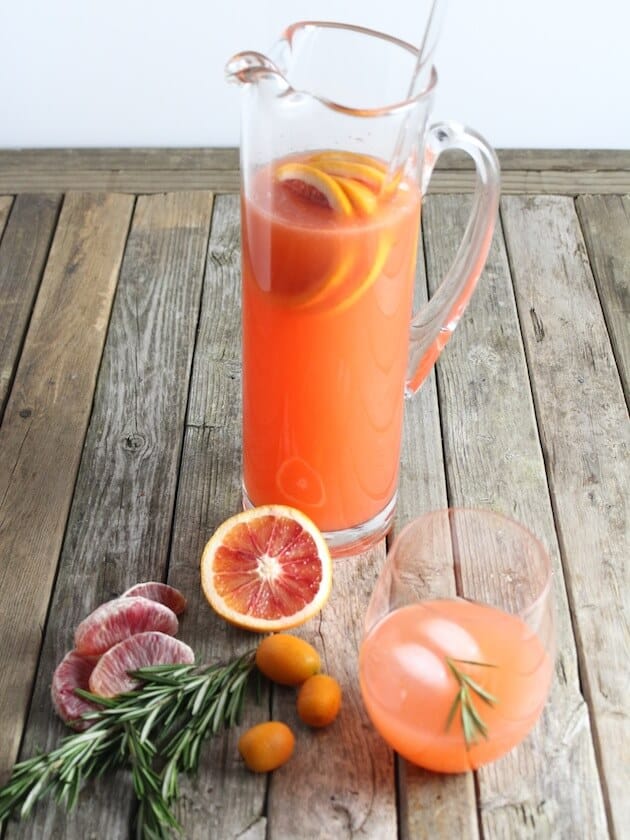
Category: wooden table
[120,455]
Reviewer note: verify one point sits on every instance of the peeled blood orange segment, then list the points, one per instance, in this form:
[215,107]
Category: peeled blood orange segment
[111,675]
[73,672]
[161,592]
[118,619]
[314,185]
[267,569]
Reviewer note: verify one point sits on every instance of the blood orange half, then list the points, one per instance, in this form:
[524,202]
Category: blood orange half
[267,569]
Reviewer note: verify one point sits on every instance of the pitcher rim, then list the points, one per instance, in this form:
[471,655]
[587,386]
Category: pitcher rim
[401,105]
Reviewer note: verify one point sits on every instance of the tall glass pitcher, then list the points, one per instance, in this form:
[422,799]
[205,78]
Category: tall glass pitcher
[335,158]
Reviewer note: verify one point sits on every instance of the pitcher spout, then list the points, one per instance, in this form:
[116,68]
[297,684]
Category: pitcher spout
[248,67]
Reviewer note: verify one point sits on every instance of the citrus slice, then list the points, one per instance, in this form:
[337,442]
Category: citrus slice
[330,155]
[116,620]
[371,170]
[112,674]
[382,253]
[314,185]
[333,281]
[362,198]
[155,590]
[73,672]
[392,185]
[267,569]
[363,172]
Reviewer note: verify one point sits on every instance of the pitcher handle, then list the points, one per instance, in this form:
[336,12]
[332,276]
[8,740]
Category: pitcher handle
[432,327]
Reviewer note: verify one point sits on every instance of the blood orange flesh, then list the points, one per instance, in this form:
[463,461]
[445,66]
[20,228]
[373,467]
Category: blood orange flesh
[161,592]
[118,619]
[306,191]
[267,569]
[111,676]
[73,672]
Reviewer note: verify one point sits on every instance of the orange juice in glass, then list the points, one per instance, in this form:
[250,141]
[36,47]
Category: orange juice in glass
[334,164]
[452,683]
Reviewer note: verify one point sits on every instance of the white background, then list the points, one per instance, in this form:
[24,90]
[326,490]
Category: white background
[525,73]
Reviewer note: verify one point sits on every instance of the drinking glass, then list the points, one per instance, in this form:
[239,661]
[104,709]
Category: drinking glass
[457,654]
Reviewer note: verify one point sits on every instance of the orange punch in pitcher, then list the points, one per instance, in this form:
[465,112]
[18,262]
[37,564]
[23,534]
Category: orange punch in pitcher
[335,156]
[327,294]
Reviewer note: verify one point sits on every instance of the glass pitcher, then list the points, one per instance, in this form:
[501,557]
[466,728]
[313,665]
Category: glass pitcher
[336,154]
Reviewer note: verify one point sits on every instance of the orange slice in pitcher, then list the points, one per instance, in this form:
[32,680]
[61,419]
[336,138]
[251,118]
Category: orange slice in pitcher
[337,155]
[267,569]
[362,198]
[366,168]
[335,281]
[382,253]
[314,185]
[362,172]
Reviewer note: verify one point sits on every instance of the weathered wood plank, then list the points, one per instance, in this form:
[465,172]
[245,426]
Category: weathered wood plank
[138,159]
[533,182]
[340,781]
[215,383]
[494,461]
[585,435]
[560,182]
[606,225]
[543,160]
[5,208]
[225,800]
[43,432]
[431,806]
[569,172]
[227,158]
[23,252]
[120,522]
[136,181]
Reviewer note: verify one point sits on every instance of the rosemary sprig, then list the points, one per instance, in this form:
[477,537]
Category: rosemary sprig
[156,731]
[473,724]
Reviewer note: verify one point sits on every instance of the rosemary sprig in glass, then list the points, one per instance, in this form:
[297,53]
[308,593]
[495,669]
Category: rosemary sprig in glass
[156,731]
[473,724]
